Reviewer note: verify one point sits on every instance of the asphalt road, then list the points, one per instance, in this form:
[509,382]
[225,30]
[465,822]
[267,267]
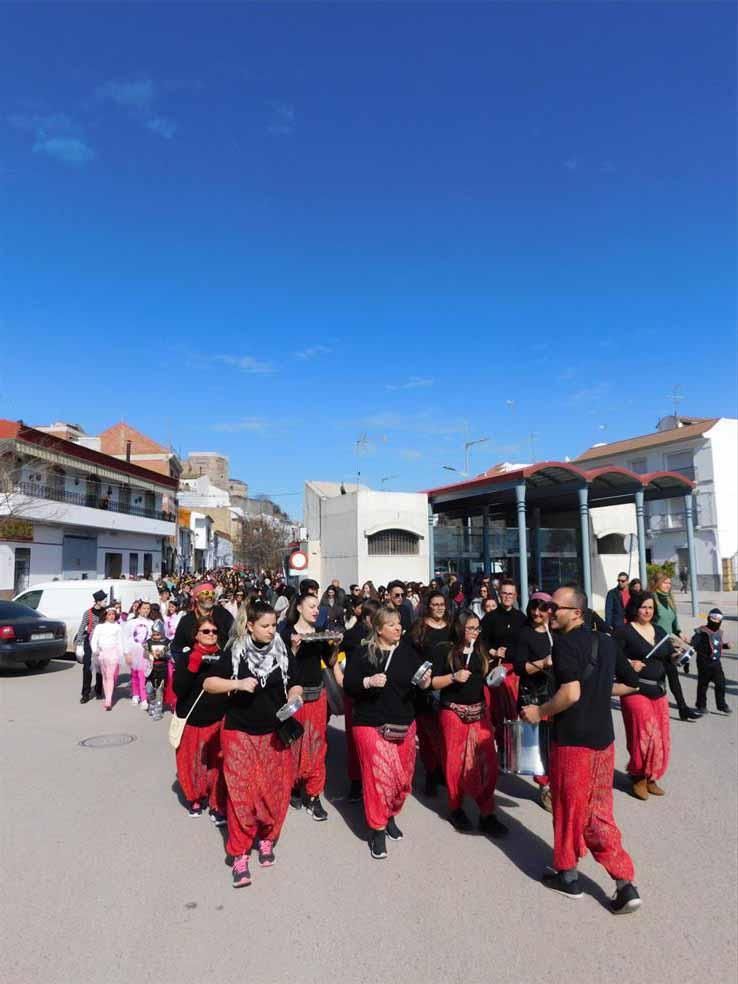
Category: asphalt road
[106,879]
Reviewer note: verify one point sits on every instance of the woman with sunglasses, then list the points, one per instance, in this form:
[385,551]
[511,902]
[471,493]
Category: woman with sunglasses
[431,631]
[532,662]
[199,770]
[646,714]
[470,758]
[257,676]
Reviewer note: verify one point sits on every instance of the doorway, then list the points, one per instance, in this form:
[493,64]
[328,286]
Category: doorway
[113,565]
[22,571]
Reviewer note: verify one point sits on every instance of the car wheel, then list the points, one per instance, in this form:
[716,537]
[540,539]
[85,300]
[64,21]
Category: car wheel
[41,665]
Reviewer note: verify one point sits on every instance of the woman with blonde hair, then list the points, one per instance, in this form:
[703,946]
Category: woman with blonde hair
[666,618]
[382,679]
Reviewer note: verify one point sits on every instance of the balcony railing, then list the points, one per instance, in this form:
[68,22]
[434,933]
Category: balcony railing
[54,494]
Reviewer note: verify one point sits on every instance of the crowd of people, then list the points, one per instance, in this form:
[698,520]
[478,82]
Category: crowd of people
[253,668]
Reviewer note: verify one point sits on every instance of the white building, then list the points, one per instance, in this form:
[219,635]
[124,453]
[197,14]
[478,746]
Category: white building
[704,450]
[356,535]
[69,511]
[203,541]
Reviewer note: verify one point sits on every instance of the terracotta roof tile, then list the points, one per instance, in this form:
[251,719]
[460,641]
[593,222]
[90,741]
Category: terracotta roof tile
[649,440]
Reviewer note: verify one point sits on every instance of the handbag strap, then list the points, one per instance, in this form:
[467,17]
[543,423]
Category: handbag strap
[194,705]
[594,659]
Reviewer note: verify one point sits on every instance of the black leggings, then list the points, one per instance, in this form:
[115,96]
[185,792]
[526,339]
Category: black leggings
[712,673]
[672,675]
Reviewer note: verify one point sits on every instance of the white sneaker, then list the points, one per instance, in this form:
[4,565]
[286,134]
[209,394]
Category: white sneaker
[144,705]
[134,700]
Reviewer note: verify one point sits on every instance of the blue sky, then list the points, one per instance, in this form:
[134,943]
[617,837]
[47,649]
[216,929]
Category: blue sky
[275,230]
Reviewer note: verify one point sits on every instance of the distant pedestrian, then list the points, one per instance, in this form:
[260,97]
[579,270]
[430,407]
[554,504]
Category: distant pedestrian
[708,643]
[90,620]
[107,649]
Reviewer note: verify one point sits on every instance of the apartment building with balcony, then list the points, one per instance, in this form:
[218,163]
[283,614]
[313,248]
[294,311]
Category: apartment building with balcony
[704,450]
[67,510]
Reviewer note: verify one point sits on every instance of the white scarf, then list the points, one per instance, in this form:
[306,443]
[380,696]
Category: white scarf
[261,660]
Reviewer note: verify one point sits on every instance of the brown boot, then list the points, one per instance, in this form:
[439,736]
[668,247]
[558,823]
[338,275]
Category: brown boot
[640,789]
[654,788]
[545,799]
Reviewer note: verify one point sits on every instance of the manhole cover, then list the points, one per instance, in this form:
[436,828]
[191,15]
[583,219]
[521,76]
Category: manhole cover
[107,741]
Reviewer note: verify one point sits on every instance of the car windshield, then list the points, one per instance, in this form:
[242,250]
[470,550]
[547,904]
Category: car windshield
[11,609]
[29,598]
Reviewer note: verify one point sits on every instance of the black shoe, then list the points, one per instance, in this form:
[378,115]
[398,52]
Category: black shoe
[431,785]
[725,709]
[393,831]
[98,696]
[492,827]
[296,798]
[315,808]
[701,710]
[460,821]
[85,698]
[377,845]
[687,714]
[555,881]
[355,791]
[625,900]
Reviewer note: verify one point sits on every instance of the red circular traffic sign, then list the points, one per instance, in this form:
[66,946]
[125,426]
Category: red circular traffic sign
[298,560]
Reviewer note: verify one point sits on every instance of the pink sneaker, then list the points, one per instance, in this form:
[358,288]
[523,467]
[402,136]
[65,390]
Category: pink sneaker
[241,873]
[266,853]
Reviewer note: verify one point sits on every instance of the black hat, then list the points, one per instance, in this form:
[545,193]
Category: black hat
[99,596]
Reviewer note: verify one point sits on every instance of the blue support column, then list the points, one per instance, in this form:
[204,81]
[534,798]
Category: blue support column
[431,545]
[689,517]
[522,544]
[583,494]
[487,568]
[641,529]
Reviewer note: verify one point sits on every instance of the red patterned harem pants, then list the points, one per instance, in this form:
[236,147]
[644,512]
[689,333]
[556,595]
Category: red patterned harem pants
[647,734]
[581,796]
[200,765]
[386,773]
[470,761]
[309,751]
[258,775]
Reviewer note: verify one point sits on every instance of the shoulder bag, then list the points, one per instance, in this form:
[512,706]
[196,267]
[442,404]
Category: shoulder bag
[177,724]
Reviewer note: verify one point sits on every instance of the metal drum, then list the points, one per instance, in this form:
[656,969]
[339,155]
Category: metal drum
[524,749]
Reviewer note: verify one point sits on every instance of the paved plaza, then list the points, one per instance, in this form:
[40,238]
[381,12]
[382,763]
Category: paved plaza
[106,879]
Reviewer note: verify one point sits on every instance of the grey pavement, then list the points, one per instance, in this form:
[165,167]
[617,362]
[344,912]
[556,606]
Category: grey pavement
[106,879]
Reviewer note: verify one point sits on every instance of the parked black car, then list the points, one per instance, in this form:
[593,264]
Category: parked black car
[27,637]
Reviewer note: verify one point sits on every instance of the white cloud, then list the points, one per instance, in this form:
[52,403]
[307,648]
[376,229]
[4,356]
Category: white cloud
[588,394]
[253,424]
[411,454]
[134,92]
[414,382]
[163,126]
[57,136]
[313,352]
[140,98]
[247,363]
[422,422]
[282,120]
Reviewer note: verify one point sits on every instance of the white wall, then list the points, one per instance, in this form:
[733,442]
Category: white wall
[724,440]
[605,520]
[61,513]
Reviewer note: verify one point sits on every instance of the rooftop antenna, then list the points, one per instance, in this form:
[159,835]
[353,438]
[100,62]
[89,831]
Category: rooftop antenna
[361,446]
[676,396]
[387,478]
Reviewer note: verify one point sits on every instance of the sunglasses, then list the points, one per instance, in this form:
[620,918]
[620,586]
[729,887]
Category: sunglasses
[542,606]
[208,632]
[553,608]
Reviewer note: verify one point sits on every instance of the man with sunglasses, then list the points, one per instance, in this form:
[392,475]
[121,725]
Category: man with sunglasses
[616,602]
[396,599]
[588,670]
[203,595]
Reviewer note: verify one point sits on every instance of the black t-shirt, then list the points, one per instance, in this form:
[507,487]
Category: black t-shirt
[501,628]
[184,637]
[432,644]
[352,639]
[391,704]
[588,723]
[471,692]
[309,657]
[634,646]
[256,713]
[532,647]
[210,707]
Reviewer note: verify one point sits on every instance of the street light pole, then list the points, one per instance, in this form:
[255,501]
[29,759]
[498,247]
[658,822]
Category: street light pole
[467,448]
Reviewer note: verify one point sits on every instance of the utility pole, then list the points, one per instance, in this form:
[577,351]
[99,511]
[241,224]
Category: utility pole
[467,449]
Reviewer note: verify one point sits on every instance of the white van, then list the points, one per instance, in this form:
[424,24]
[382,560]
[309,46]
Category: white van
[68,600]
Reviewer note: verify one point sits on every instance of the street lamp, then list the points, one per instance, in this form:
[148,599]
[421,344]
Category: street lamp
[387,478]
[451,468]
[467,448]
